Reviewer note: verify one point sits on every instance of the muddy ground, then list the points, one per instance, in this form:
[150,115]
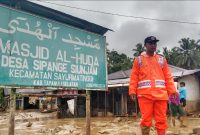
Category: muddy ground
[36,123]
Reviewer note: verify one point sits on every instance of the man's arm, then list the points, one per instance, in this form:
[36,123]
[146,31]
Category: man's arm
[168,79]
[133,83]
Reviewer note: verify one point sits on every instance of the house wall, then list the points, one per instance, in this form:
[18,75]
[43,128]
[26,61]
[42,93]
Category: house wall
[193,92]
[193,105]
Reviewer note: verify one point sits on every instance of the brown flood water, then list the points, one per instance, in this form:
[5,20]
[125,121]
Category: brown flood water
[99,126]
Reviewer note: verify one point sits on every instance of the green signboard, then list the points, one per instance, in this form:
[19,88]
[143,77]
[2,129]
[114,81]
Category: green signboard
[35,51]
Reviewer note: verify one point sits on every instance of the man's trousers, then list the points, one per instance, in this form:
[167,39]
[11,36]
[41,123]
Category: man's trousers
[153,108]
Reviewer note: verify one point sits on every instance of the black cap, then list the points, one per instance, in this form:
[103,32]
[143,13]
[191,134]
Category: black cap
[150,39]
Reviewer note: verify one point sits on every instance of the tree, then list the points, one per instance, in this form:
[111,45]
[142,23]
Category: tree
[117,62]
[188,54]
[138,50]
[170,55]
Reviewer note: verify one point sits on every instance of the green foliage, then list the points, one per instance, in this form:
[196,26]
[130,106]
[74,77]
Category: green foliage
[186,56]
[138,50]
[18,95]
[117,62]
[170,55]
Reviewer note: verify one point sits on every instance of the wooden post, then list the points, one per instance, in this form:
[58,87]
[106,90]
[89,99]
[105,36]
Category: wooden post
[105,111]
[122,105]
[11,124]
[136,108]
[125,104]
[87,112]
[113,102]
[75,107]
[97,102]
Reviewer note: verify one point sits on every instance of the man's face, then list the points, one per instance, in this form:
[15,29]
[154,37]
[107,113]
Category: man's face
[151,47]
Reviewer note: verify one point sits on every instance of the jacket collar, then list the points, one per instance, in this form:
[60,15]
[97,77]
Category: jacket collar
[145,54]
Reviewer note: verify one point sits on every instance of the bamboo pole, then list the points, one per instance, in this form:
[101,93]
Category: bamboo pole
[11,124]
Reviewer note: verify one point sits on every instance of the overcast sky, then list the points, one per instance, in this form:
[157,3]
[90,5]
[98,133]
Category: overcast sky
[129,31]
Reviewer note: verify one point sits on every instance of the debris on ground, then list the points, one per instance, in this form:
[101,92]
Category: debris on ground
[169,133]
[62,130]
[29,124]
[118,119]
[196,130]
[99,126]
[103,132]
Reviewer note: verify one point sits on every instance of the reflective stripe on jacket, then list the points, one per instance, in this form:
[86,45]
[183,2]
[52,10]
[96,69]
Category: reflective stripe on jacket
[151,79]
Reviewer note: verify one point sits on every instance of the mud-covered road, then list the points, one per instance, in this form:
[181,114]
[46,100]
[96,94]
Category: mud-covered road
[35,123]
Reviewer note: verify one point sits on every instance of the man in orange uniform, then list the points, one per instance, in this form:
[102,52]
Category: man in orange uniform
[151,81]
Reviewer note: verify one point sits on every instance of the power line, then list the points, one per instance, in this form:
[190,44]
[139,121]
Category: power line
[121,15]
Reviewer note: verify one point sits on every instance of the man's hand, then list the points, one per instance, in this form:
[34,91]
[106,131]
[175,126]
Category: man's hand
[175,94]
[133,97]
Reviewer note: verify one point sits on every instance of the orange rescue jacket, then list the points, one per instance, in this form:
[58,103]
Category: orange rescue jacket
[151,78]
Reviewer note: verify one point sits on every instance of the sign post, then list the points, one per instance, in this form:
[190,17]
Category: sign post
[11,127]
[42,53]
[88,112]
